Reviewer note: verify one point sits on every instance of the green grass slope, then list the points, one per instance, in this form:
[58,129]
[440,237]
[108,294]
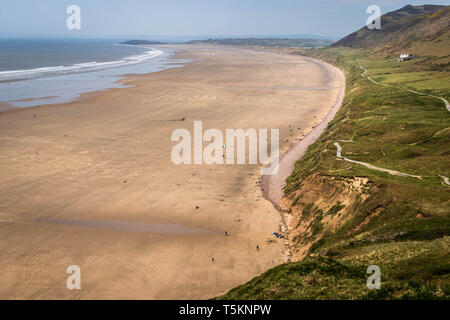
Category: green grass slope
[420,30]
[345,216]
[409,237]
[273,42]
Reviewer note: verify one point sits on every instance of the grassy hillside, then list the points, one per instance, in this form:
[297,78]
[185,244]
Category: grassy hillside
[273,42]
[421,30]
[345,216]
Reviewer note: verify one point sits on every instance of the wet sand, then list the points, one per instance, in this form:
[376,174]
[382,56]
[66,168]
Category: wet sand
[106,157]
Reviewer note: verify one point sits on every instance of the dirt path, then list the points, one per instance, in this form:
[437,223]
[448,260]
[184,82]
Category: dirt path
[447,105]
[393,172]
[445,180]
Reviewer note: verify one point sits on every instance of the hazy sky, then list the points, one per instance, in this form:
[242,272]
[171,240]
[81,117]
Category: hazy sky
[146,18]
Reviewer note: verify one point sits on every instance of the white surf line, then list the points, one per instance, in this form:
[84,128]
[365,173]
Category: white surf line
[91,66]
[393,172]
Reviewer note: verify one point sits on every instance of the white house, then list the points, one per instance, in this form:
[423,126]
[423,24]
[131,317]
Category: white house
[406,56]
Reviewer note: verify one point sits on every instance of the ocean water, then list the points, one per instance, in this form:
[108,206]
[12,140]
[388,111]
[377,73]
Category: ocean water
[43,71]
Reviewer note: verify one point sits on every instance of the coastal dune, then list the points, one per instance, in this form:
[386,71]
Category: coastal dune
[91,183]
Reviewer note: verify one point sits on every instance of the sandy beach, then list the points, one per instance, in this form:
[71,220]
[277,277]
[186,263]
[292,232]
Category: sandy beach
[272,185]
[91,182]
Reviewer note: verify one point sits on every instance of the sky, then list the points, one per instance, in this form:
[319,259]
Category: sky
[191,18]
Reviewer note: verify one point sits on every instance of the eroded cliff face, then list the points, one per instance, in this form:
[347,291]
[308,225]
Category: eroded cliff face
[321,205]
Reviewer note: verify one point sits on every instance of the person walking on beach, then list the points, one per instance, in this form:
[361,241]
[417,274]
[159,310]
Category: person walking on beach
[226,233]
[257,248]
[212,259]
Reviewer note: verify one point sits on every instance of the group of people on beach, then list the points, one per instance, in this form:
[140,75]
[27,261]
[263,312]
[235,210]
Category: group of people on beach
[278,235]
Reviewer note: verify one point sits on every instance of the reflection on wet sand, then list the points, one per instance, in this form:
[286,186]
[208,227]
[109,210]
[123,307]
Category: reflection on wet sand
[120,225]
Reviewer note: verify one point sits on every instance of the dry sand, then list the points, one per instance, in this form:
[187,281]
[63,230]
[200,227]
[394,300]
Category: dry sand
[272,185]
[88,148]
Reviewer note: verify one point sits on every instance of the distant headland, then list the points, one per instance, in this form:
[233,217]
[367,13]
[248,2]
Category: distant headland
[138,42]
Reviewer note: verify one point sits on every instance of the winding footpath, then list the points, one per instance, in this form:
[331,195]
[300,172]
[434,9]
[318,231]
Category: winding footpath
[445,180]
[394,172]
[272,185]
[447,105]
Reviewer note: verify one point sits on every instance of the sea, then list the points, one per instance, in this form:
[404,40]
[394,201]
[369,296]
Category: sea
[49,71]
